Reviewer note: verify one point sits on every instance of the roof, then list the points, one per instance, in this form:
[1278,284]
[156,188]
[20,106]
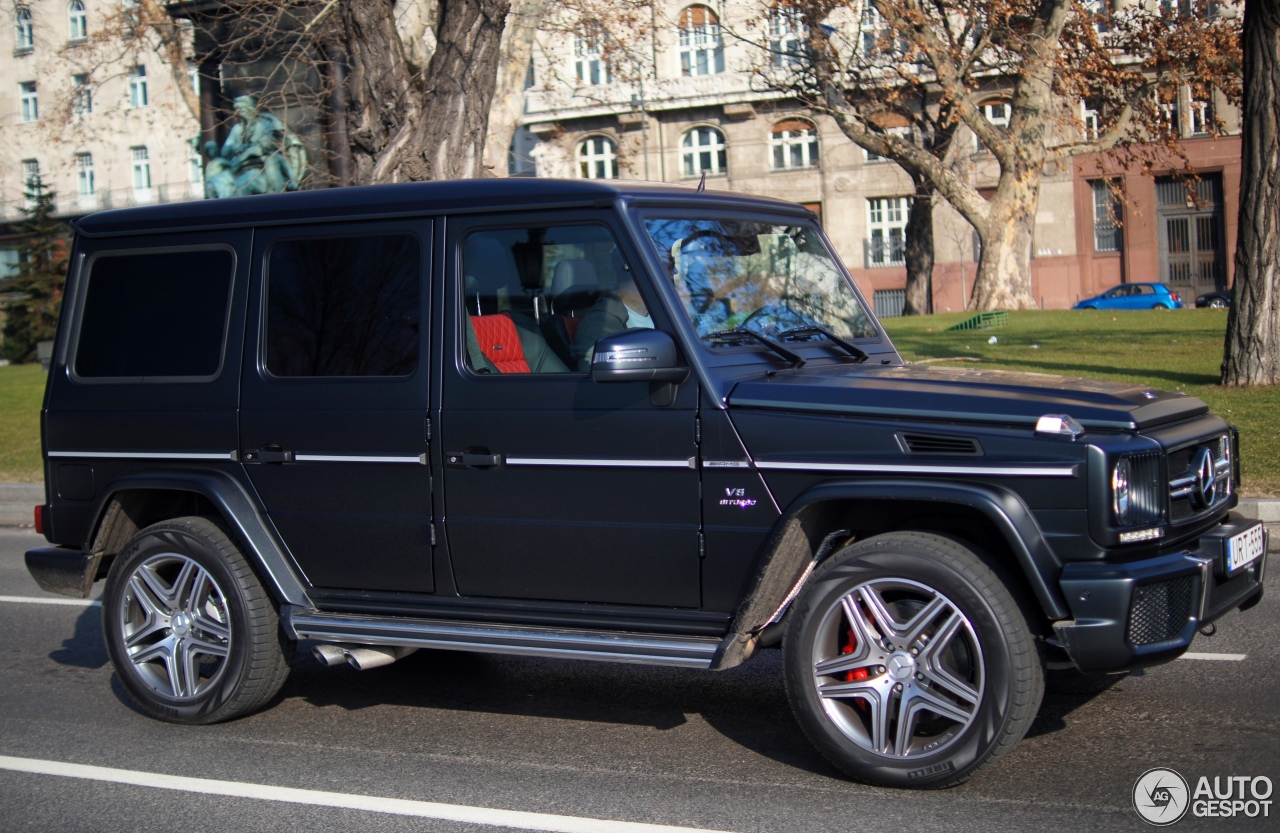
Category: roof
[411,198]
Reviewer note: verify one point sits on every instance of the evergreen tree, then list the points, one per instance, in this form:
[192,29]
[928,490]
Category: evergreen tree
[36,289]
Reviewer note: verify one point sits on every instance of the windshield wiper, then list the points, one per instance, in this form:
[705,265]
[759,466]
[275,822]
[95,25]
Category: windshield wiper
[813,329]
[796,359]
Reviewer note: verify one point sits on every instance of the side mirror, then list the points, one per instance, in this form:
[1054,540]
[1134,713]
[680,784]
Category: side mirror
[638,355]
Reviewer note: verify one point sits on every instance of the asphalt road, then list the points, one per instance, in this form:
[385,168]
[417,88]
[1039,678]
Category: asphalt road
[455,742]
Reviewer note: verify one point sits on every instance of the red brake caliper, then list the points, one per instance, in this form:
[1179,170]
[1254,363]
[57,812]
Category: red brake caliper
[851,644]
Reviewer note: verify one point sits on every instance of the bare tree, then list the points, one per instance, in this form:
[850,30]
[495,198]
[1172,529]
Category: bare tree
[1251,354]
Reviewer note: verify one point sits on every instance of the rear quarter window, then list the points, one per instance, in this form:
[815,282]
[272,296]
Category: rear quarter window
[155,316]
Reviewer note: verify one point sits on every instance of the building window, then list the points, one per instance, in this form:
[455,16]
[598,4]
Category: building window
[598,158]
[77,20]
[82,94]
[31,183]
[1089,119]
[589,62]
[141,174]
[26,32]
[27,101]
[887,231]
[996,112]
[1100,15]
[902,132]
[85,183]
[871,25]
[195,168]
[138,87]
[786,36]
[795,145]
[1107,207]
[703,152]
[1201,117]
[1171,116]
[701,44]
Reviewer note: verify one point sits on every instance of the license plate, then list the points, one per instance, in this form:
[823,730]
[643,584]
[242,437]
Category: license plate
[1244,548]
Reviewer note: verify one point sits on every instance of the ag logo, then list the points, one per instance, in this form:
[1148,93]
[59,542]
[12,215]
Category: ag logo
[1161,797]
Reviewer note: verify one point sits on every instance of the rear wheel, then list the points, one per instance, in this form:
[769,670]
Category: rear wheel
[190,631]
[1217,303]
[909,664]
[1160,306]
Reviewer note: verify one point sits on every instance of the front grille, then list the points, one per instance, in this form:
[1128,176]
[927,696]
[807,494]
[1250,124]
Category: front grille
[1186,493]
[1160,611]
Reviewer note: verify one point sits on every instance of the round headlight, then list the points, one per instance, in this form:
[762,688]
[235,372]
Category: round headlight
[1120,479]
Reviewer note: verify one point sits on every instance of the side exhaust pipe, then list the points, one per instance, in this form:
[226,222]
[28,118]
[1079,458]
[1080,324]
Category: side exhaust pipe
[360,657]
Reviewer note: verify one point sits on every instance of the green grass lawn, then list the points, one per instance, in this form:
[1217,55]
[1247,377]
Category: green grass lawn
[1177,350]
[1174,350]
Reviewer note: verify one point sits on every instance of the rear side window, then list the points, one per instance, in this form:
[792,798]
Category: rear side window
[155,316]
[344,306]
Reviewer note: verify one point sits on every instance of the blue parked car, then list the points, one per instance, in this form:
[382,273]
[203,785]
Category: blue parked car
[1134,296]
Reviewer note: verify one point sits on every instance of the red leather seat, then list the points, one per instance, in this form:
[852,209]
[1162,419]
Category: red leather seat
[500,342]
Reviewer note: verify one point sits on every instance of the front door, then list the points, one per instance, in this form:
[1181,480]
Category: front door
[333,420]
[557,487]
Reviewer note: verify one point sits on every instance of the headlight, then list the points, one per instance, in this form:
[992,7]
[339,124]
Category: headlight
[1137,496]
[1120,490]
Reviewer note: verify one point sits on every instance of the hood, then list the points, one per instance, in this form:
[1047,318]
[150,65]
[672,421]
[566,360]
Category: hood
[965,395]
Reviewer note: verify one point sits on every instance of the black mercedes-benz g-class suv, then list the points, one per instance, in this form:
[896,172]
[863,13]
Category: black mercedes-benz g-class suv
[601,421]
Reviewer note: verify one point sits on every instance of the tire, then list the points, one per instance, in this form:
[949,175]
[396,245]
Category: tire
[1217,303]
[190,631]
[1160,307]
[909,664]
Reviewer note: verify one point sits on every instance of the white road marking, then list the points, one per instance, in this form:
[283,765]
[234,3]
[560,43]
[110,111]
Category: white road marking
[32,600]
[486,816]
[1221,657]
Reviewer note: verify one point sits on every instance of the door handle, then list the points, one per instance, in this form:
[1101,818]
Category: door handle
[471,459]
[269,454]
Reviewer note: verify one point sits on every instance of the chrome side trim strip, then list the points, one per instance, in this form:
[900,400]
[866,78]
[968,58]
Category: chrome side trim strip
[357,458]
[148,455]
[597,462]
[878,468]
[609,646]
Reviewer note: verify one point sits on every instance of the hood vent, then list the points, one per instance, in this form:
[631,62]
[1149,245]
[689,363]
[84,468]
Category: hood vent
[939,444]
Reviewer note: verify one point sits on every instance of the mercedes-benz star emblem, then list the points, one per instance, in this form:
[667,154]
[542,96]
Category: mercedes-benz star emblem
[1206,478]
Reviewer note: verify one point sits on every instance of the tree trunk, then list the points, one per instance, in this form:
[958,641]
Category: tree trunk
[508,98]
[919,250]
[1252,348]
[433,127]
[1004,265]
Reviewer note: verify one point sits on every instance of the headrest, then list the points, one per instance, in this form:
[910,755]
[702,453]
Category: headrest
[574,285]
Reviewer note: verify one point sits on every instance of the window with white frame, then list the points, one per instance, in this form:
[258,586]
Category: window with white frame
[26,39]
[998,114]
[1201,116]
[701,43]
[28,103]
[193,75]
[902,132]
[81,93]
[141,174]
[1170,114]
[31,182]
[1100,10]
[871,26]
[138,96]
[1107,205]
[887,230]
[589,62]
[85,182]
[786,36]
[1090,119]
[795,145]
[77,21]
[703,152]
[195,167]
[597,158]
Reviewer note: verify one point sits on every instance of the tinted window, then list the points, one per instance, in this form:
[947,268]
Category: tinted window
[155,315]
[344,306]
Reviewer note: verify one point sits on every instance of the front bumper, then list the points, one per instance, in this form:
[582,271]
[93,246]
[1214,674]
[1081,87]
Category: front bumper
[1146,612]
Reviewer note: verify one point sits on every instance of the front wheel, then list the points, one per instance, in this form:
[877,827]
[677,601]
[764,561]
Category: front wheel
[190,631]
[909,664]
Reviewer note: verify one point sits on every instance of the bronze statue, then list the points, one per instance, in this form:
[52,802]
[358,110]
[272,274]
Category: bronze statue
[259,156]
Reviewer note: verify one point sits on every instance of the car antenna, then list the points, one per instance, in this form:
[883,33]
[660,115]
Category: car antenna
[702,183]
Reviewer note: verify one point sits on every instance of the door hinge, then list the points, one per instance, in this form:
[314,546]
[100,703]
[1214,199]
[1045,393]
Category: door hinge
[428,429]
[697,430]
[433,534]
[702,545]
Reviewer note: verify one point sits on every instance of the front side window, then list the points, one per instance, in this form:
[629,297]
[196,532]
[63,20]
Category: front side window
[703,150]
[26,32]
[138,96]
[795,145]
[887,231]
[28,103]
[775,278]
[701,43]
[1107,234]
[597,158]
[77,21]
[152,317]
[590,66]
[344,306]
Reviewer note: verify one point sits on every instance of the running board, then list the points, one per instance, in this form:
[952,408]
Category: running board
[567,643]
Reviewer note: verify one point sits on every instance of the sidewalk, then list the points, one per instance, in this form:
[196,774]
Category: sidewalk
[18,500]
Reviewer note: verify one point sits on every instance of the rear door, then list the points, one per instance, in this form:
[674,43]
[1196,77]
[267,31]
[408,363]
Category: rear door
[333,420]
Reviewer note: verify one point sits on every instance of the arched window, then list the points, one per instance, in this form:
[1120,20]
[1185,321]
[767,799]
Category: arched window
[597,158]
[701,44]
[795,145]
[786,36]
[77,20]
[998,113]
[26,34]
[703,151]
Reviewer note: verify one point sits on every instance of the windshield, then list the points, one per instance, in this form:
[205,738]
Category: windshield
[774,279]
